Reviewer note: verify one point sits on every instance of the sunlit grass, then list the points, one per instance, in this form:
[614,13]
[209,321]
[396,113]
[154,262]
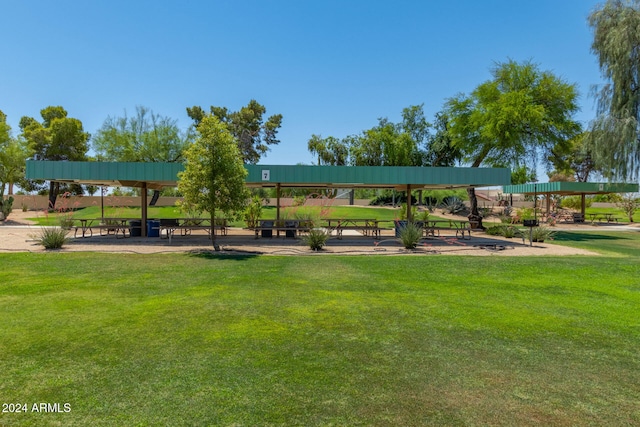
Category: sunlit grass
[206,340]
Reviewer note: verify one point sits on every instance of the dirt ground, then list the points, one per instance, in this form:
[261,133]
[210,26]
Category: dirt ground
[17,234]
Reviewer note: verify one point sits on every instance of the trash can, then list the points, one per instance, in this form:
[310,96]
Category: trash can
[292,232]
[135,228]
[153,228]
[265,226]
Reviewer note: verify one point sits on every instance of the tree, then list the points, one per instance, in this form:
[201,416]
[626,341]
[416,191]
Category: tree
[616,131]
[13,155]
[577,161]
[330,150]
[513,119]
[214,175]
[253,135]
[58,137]
[440,150]
[144,137]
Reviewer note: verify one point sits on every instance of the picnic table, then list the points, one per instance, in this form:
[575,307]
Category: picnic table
[187,225]
[116,226]
[605,216]
[367,226]
[432,227]
[291,228]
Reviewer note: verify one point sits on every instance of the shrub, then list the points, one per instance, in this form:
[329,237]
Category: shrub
[510,232]
[629,205]
[504,231]
[66,221]
[495,230]
[316,238]
[540,234]
[410,235]
[453,205]
[253,212]
[6,206]
[575,202]
[52,237]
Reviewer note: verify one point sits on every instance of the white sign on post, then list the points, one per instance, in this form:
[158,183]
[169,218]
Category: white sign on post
[266,174]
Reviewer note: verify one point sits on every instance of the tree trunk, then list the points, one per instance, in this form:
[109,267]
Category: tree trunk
[216,247]
[54,187]
[474,216]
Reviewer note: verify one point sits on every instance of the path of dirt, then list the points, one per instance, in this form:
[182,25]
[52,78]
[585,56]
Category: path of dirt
[18,235]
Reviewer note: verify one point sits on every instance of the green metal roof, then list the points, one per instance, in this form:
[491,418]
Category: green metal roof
[157,175]
[126,174]
[569,188]
[374,176]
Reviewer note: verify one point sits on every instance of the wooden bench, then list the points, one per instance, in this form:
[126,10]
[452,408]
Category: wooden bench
[368,227]
[171,225]
[433,227]
[290,228]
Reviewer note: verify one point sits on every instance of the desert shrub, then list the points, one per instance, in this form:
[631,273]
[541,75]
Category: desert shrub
[316,239]
[253,211]
[495,230]
[453,205]
[629,205]
[575,202]
[504,231]
[410,235]
[542,233]
[66,221]
[52,237]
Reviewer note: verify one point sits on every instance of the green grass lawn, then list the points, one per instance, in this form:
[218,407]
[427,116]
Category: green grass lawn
[178,339]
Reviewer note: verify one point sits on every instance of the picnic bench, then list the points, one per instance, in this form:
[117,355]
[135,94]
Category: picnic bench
[186,225]
[433,227]
[291,228]
[366,226]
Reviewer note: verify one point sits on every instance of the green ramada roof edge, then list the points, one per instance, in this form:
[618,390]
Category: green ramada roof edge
[166,174]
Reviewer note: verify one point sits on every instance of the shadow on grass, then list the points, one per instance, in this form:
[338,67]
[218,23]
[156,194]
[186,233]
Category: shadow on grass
[570,236]
[223,255]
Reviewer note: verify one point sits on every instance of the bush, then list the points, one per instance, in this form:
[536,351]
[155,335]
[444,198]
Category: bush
[6,206]
[66,221]
[504,231]
[453,205]
[52,237]
[540,234]
[575,202]
[410,235]
[316,239]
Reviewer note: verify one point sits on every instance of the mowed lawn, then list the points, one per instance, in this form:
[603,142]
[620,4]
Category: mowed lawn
[185,339]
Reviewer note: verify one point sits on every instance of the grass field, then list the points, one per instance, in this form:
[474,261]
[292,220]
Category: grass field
[430,340]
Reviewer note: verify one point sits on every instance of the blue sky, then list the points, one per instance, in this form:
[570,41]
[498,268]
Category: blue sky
[329,67]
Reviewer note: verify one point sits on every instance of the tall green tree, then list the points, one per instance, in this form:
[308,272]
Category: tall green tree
[57,137]
[254,135]
[13,156]
[330,150]
[143,137]
[616,131]
[515,118]
[214,175]
[576,161]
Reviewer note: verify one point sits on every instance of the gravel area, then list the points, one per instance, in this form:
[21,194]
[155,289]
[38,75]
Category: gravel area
[18,235]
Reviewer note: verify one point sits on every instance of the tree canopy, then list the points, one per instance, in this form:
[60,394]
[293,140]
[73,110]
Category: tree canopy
[615,134]
[407,143]
[516,118]
[143,137]
[58,137]
[214,175]
[13,155]
[253,134]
